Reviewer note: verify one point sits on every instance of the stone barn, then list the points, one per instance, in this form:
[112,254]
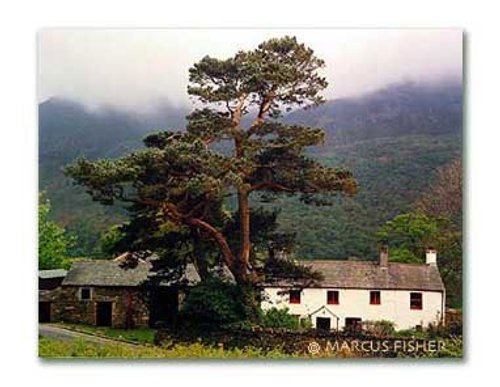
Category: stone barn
[117,293]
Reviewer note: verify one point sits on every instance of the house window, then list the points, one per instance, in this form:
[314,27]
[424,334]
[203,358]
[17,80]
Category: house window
[332,297]
[85,294]
[375,297]
[416,301]
[294,296]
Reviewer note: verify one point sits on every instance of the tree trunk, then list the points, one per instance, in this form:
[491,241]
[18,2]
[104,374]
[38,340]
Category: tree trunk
[244,210]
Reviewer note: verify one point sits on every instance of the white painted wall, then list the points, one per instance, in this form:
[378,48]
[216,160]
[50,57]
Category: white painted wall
[394,306]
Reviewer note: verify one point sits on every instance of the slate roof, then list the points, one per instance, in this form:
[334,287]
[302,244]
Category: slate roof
[54,273]
[106,273]
[370,275]
[115,273]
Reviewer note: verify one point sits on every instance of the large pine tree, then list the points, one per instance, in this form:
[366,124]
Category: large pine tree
[234,143]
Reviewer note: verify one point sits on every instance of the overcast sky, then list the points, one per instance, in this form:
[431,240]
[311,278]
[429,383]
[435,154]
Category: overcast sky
[136,68]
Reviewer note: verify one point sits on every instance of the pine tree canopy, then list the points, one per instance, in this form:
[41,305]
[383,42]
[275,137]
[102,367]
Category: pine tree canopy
[234,144]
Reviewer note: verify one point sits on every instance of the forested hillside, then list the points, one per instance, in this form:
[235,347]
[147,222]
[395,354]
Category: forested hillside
[68,130]
[393,140]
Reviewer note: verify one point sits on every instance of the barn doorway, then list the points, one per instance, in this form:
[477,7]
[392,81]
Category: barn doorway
[323,323]
[104,313]
[163,307]
[44,312]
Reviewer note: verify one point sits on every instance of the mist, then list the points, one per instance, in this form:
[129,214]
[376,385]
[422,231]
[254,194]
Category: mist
[144,69]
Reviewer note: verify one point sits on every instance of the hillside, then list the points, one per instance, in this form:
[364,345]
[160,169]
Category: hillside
[68,130]
[392,139]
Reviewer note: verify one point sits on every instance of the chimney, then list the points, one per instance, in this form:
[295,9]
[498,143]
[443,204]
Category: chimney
[384,256]
[431,257]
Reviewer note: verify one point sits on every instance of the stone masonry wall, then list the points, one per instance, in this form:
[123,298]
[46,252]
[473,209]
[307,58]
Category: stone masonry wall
[127,302]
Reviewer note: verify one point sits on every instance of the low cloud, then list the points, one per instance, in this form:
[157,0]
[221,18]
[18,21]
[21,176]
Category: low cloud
[136,68]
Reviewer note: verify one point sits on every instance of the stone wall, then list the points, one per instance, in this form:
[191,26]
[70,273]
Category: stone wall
[311,342]
[129,307]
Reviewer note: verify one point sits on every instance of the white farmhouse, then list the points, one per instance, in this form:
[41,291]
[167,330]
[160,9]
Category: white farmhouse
[351,292]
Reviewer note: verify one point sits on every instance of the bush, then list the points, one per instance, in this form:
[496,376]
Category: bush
[306,323]
[414,333]
[215,302]
[279,318]
[379,328]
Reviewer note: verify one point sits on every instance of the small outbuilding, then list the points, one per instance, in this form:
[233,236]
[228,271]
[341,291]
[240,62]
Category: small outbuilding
[49,285]
[117,293]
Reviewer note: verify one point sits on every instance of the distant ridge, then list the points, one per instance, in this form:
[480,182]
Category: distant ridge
[399,109]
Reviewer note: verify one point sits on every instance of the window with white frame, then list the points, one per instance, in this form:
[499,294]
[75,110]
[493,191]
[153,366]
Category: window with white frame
[85,294]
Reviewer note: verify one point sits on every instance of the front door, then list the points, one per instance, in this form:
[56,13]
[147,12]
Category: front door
[44,312]
[104,313]
[323,323]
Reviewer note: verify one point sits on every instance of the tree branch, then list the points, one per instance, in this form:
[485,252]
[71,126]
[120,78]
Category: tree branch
[269,184]
[219,239]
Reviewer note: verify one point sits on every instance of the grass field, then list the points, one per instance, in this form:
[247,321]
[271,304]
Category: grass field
[124,347]
[79,348]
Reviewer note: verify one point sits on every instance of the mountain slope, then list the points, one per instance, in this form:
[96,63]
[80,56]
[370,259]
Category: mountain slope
[393,140]
[397,110]
[68,130]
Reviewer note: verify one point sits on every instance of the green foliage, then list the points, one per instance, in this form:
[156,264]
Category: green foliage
[214,302]
[409,235]
[110,239]
[280,66]
[391,172]
[306,323]
[53,241]
[279,318]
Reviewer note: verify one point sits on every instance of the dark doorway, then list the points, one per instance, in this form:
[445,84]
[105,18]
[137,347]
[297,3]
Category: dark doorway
[44,312]
[352,324]
[164,304]
[323,323]
[104,312]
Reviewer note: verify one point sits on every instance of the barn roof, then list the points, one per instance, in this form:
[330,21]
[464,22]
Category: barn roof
[118,272]
[370,275]
[106,273]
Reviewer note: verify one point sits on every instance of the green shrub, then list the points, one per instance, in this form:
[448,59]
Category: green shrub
[215,302]
[414,333]
[279,318]
[306,323]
